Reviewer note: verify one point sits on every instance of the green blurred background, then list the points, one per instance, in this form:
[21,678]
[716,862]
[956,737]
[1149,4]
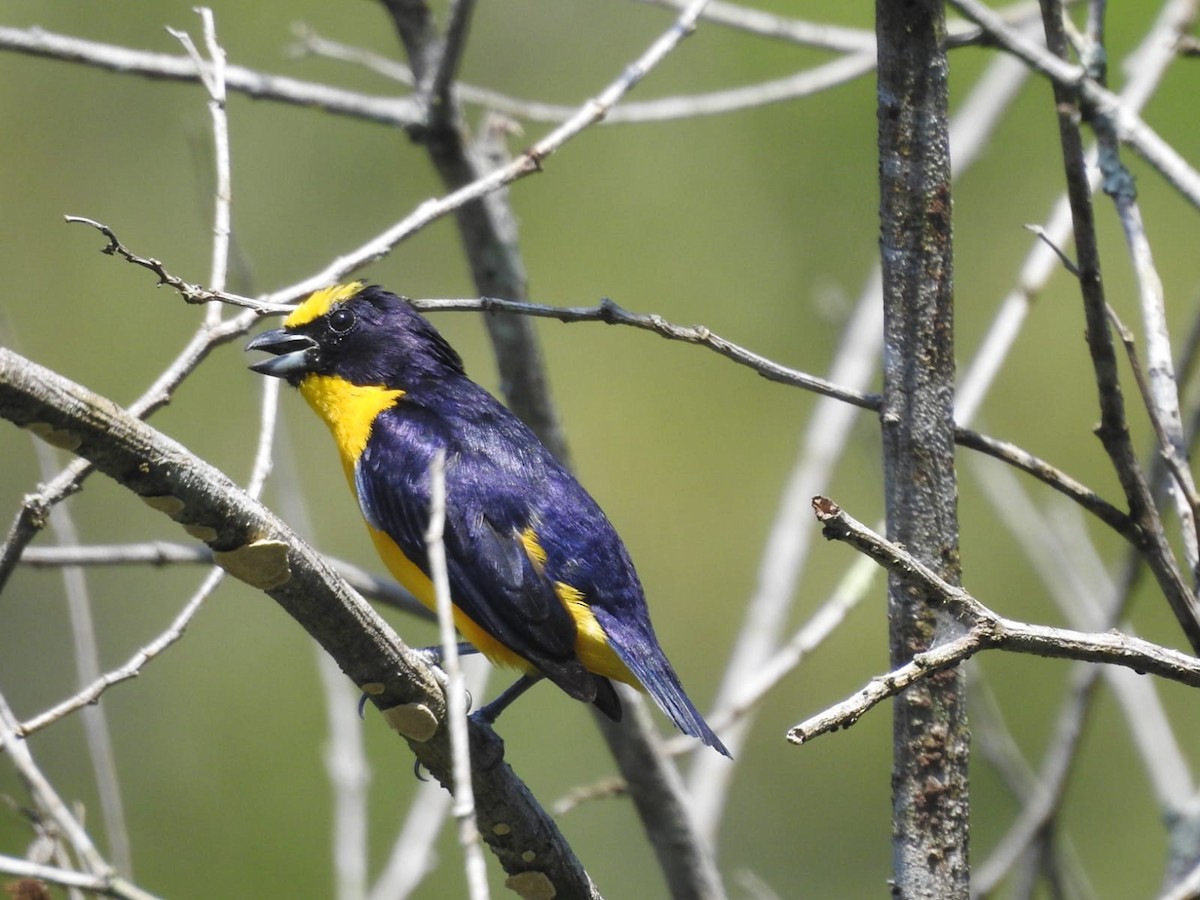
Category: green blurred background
[761,225]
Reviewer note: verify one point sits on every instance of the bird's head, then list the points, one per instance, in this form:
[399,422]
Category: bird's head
[363,335]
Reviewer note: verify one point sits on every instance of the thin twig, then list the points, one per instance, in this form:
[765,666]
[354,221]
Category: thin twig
[132,667]
[1113,430]
[400,112]
[449,59]
[161,553]
[1041,234]
[822,36]
[260,469]
[214,81]
[104,885]
[801,84]
[1052,477]
[610,313]
[1170,446]
[983,630]
[527,163]
[413,854]
[797,31]
[1145,67]
[456,692]
[1071,78]
[191,293]
[98,736]
[47,799]
[1158,384]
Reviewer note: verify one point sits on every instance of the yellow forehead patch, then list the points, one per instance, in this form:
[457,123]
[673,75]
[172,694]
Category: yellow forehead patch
[319,302]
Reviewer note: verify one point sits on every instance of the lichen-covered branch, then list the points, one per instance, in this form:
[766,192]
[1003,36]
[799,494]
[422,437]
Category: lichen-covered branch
[254,546]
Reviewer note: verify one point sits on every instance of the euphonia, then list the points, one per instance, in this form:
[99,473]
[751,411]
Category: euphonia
[539,579]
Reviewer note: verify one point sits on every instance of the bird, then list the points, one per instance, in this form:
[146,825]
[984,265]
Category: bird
[540,581]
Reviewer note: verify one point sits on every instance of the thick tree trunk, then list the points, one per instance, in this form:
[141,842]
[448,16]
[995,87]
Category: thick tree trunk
[929,776]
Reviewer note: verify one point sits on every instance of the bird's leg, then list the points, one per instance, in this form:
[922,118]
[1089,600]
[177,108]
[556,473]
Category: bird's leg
[487,715]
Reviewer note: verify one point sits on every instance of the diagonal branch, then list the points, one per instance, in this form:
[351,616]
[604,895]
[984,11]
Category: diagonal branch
[613,314]
[1114,428]
[256,547]
[982,629]
[401,112]
[1072,82]
[35,508]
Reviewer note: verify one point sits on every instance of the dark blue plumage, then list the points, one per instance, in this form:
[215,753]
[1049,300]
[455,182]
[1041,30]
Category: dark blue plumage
[538,575]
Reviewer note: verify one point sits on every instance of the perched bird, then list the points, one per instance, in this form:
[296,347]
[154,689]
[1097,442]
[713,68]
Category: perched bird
[539,579]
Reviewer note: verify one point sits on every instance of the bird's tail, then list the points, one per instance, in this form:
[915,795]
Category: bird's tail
[659,680]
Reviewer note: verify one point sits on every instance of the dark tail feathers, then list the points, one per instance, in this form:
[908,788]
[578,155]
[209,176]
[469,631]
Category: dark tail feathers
[660,681]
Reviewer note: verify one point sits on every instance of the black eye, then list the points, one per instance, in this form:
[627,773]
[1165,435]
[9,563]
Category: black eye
[342,320]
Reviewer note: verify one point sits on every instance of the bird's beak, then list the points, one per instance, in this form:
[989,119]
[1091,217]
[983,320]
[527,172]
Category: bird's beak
[293,353]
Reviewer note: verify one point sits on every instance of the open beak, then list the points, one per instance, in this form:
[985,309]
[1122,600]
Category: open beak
[294,354]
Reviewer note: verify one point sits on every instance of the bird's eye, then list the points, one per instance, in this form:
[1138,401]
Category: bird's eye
[342,320]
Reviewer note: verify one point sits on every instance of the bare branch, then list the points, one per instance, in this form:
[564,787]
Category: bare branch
[823,36]
[983,630]
[1054,478]
[97,734]
[797,31]
[191,293]
[1072,79]
[611,313]
[664,109]
[257,548]
[1171,445]
[49,803]
[449,59]
[1113,431]
[160,553]
[401,112]
[133,667]
[456,693]
[35,508]
[104,885]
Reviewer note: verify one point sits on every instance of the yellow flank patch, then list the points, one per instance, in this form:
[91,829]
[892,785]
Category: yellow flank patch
[591,643]
[318,303]
[533,548]
[409,574]
[349,410]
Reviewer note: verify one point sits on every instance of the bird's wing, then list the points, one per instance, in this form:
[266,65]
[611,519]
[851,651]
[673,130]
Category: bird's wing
[493,577]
